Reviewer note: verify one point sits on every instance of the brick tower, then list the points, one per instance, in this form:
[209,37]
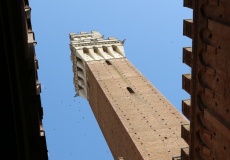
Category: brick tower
[208,135]
[137,121]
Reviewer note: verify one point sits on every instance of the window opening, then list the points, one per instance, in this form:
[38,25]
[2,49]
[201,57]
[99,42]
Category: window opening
[85,50]
[114,47]
[130,90]
[78,59]
[95,49]
[105,49]
[108,62]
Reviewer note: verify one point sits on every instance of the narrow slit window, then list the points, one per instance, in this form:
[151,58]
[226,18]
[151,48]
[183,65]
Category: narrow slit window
[108,62]
[130,90]
[88,85]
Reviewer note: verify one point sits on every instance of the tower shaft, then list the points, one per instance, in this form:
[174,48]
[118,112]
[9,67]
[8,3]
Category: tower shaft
[137,121]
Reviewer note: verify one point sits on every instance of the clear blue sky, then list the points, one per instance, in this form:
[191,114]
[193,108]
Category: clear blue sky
[154,42]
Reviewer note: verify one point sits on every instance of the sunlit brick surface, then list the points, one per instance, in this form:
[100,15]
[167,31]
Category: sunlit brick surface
[139,125]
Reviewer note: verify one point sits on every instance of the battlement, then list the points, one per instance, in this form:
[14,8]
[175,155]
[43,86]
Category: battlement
[87,47]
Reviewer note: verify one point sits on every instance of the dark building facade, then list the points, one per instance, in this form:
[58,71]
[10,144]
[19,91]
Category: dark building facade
[208,84]
[23,137]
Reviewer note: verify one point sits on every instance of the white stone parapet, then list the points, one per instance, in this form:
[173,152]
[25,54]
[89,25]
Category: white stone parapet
[91,47]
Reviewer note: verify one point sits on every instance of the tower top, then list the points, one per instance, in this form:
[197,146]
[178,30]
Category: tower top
[92,46]
[86,47]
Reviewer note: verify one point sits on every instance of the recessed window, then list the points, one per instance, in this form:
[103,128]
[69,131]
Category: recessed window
[78,59]
[105,49]
[130,90]
[80,87]
[85,50]
[114,47]
[88,85]
[95,49]
[108,62]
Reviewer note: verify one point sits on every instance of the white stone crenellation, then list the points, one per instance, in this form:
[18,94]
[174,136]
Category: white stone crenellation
[87,47]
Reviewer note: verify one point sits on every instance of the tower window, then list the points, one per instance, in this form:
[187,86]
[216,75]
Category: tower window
[130,90]
[79,59]
[105,49]
[114,47]
[108,62]
[95,49]
[85,50]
